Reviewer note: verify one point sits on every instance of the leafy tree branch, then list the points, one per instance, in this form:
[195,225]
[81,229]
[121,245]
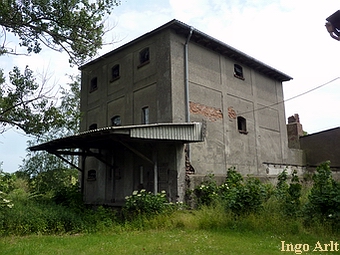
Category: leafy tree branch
[74,26]
[26,105]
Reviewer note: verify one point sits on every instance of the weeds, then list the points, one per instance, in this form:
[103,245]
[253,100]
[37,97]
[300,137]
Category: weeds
[243,205]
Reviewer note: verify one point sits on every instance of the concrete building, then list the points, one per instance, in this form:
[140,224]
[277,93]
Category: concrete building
[172,106]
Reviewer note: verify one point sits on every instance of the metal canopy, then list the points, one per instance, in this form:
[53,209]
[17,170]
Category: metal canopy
[105,137]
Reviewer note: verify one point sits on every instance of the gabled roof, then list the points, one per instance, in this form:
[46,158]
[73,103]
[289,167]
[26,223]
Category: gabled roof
[208,42]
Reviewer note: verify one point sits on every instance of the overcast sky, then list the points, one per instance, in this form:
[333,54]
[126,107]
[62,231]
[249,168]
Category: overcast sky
[288,35]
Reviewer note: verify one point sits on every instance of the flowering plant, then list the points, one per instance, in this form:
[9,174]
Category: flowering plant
[143,202]
[4,203]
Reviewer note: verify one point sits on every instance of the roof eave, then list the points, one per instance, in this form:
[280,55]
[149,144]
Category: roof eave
[206,41]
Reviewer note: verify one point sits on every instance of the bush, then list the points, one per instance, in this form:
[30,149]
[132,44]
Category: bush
[289,195]
[207,193]
[247,197]
[69,197]
[323,204]
[238,195]
[146,203]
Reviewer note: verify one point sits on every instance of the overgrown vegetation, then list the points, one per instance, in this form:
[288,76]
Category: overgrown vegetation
[145,203]
[236,194]
[239,204]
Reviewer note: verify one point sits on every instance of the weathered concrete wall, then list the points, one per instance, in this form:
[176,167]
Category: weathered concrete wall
[213,90]
[137,87]
[322,146]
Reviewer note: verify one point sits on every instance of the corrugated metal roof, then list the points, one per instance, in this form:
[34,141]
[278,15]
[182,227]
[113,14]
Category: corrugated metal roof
[101,137]
[180,132]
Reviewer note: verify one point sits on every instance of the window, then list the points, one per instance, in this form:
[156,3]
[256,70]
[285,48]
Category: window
[91,175]
[116,121]
[242,125]
[93,126]
[144,57]
[93,84]
[115,75]
[145,115]
[238,71]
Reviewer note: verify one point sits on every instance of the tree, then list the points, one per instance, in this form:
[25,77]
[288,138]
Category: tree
[74,26]
[45,171]
[25,105]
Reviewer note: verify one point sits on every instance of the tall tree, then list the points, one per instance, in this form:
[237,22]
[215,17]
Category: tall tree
[45,171]
[25,104]
[74,26]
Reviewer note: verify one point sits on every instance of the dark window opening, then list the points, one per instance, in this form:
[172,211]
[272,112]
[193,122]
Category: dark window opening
[144,57]
[115,75]
[93,84]
[91,175]
[116,121]
[145,115]
[242,125]
[93,126]
[238,71]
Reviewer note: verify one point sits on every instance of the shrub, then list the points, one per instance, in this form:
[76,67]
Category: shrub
[146,203]
[289,195]
[246,197]
[324,199]
[207,193]
[238,195]
[69,197]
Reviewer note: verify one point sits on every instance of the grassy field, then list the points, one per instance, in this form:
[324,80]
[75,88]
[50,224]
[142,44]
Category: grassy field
[155,242]
[276,224]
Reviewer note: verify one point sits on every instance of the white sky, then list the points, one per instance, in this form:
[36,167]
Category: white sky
[289,35]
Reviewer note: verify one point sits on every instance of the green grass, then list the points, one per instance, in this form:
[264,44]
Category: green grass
[40,227]
[175,241]
[205,231]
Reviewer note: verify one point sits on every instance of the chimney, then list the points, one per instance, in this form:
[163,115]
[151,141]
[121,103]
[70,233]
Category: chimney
[294,131]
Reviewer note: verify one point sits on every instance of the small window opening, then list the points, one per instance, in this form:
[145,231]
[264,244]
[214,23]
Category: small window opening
[238,71]
[93,126]
[144,57]
[145,115]
[116,121]
[93,84]
[115,75]
[91,175]
[242,125]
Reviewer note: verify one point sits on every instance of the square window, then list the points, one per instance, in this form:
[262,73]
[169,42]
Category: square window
[144,57]
[238,71]
[115,75]
[93,84]
[116,121]
[91,175]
